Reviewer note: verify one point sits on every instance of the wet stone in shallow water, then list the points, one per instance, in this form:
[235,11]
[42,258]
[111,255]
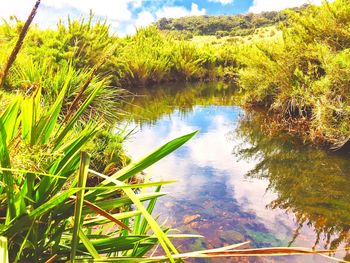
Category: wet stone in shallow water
[231,236]
[190,218]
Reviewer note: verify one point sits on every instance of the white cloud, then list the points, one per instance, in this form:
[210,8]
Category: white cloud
[223,2]
[19,8]
[190,169]
[179,11]
[114,10]
[145,18]
[124,16]
[273,5]
[51,11]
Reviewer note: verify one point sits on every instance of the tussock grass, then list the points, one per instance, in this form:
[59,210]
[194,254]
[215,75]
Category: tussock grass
[305,74]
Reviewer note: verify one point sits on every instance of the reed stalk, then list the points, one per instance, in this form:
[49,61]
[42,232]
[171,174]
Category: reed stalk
[86,84]
[19,44]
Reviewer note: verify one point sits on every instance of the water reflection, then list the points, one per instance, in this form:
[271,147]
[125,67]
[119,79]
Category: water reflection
[211,197]
[150,104]
[310,183]
[232,196]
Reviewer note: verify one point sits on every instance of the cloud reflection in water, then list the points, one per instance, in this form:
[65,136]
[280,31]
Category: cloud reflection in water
[211,181]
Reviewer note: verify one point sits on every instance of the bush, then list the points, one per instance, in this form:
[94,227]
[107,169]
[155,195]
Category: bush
[45,212]
[305,74]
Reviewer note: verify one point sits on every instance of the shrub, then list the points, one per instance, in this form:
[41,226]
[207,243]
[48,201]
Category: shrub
[40,175]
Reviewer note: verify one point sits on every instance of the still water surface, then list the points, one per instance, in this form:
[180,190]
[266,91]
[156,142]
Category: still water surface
[234,182]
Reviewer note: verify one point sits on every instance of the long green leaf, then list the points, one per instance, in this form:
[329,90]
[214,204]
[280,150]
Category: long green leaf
[110,204]
[154,157]
[162,238]
[89,246]
[48,122]
[31,112]
[140,226]
[115,244]
[65,165]
[53,202]
[7,177]
[83,172]
[19,253]
[135,168]
[80,111]
[19,224]
[27,119]
[3,250]
[10,120]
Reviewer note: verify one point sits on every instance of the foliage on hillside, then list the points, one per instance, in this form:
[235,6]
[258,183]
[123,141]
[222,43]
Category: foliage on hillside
[234,25]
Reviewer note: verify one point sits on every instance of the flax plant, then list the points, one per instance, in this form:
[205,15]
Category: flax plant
[38,215]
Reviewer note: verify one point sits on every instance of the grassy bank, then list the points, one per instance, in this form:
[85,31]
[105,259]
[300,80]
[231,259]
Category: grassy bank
[304,76]
[294,63]
[146,58]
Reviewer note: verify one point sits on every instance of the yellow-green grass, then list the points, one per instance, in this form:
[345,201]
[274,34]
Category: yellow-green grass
[265,33]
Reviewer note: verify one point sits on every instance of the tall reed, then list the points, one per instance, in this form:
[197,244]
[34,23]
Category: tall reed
[19,44]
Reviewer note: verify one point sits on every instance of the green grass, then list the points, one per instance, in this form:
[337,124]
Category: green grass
[265,33]
[304,76]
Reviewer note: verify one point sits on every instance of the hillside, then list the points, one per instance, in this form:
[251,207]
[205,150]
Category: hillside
[221,26]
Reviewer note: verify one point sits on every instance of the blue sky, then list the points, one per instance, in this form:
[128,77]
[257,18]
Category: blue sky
[212,7]
[127,15]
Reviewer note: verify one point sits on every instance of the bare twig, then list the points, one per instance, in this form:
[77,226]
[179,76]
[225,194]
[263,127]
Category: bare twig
[18,45]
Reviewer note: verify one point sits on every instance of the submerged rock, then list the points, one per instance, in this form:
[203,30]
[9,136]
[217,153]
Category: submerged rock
[190,218]
[231,236]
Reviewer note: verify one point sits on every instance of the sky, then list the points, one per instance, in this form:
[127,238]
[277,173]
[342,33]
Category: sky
[125,16]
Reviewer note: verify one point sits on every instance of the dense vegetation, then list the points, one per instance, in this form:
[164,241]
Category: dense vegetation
[216,25]
[56,205]
[61,97]
[233,25]
[301,74]
[304,76]
[46,208]
[59,102]
[145,58]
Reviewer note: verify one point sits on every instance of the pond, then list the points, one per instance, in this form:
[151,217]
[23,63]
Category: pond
[235,182]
